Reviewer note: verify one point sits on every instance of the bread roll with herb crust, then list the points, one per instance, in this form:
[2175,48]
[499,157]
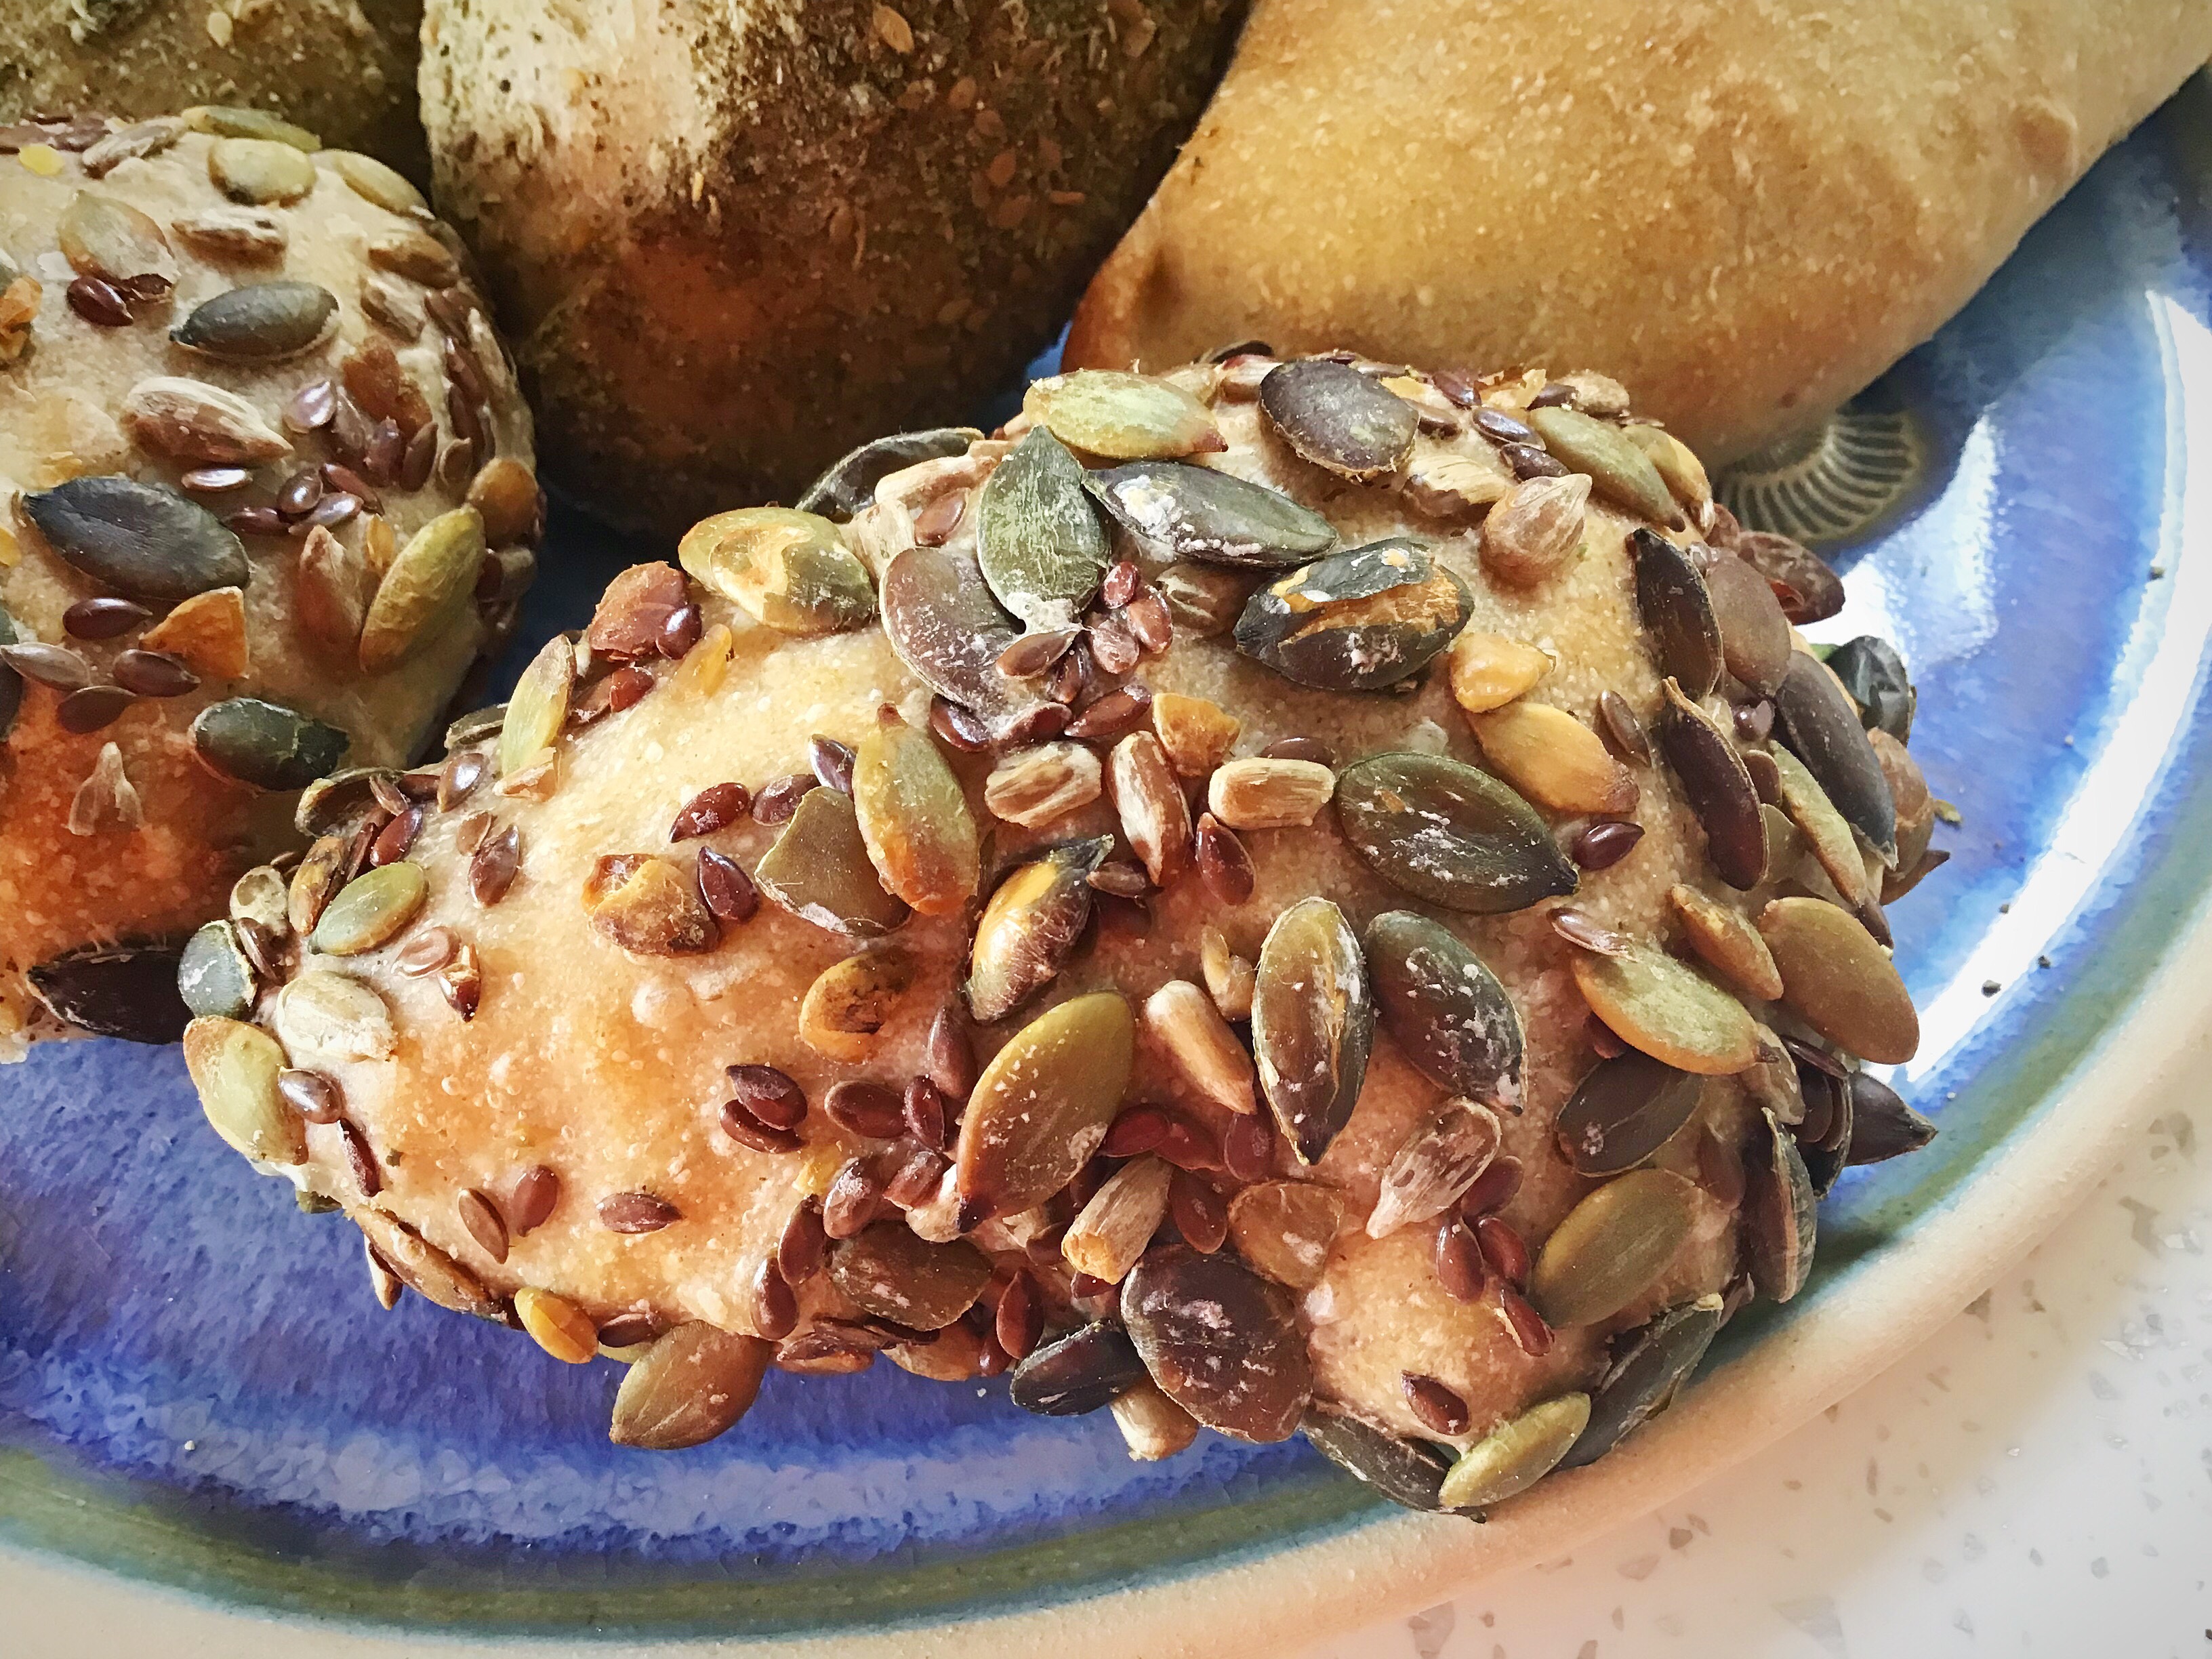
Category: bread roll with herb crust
[731,241]
[1745,212]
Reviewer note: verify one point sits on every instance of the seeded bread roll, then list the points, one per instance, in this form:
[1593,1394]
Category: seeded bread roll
[344,69]
[1250,893]
[731,241]
[243,512]
[1745,213]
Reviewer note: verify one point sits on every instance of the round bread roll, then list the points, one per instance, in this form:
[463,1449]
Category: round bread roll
[344,69]
[1745,214]
[1250,893]
[731,241]
[256,434]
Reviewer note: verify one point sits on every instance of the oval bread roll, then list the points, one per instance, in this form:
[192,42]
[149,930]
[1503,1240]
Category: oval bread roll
[1745,213]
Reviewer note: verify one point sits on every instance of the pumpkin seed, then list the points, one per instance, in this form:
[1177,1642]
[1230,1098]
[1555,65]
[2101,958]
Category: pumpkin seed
[648,905]
[1285,1229]
[539,708]
[243,121]
[1553,759]
[1030,928]
[1120,416]
[1725,941]
[108,238]
[1336,418]
[260,322]
[1114,1228]
[1203,599]
[234,1066]
[1874,677]
[1038,541]
[1518,1453]
[849,485]
[851,1001]
[1153,1426]
[1489,670]
[1718,786]
[1448,1013]
[1817,721]
[331,803]
[1205,1050]
[214,976]
[819,871]
[1081,1372]
[913,819]
[1450,834]
[1256,792]
[323,1019]
[693,1383]
[1409,1473]
[1652,1002]
[321,871]
[1655,1361]
[1840,980]
[1780,1223]
[1618,470]
[265,745]
[1174,511]
[145,541]
[1313,1022]
[1196,733]
[1439,1160]
[1040,785]
[259,172]
[1042,1106]
[945,627]
[1672,599]
[789,569]
[1220,1341]
[1754,633]
[1356,620]
[370,911]
[429,584]
[1684,472]
[889,1273]
[1822,827]
[1882,1126]
[126,991]
[1623,1111]
[1807,590]
[1535,531]
[1613,1247]
[1829,1107]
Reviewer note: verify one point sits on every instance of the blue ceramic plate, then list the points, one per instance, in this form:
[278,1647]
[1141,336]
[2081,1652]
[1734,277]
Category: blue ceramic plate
[196,1389]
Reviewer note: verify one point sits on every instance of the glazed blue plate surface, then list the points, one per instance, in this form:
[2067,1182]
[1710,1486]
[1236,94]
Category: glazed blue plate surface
[196,1388]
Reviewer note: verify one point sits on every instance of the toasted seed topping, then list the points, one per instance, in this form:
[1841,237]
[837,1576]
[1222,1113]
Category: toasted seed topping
[1779,1211]
[1719,788]
[1259,793]
[1444,1008]
[1220,1340]
[1359,620]
[1408,1472]
[234,1067]
[1656,1003]
[1313,1022]
[1154,817]
[1042,1106]
[889,1273]
[819,870]
[1332,414]
[636,1213]
[1038,541]
[1517,1454]
[1285,1229]
[1535,533]
[694,1383]
[1119,417]
[1038,785]
[1624,1111]
[914,819]
[1617,469]
[1450,834]
[850,1002]
[1613,1247]
[370,911]
[1818,723]
[1726,942]
[1183,1019]
[261,322]
[648,905]
[1030,926]
[1553,759]
[146,542]
[1753,632]
[1672,599]
[1081,1372]
[1807,589]
[1840,980]
[1179,512]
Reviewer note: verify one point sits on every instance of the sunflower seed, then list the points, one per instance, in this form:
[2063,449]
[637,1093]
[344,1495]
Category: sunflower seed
[1816,720]
[133,142]
[889,1273]
[1676,606]
[945,627]
[1356,620]
[1408,1472]
[1206,1052]
[1754,633]
[1081,1372]
[1332,414]
[1535,531]
[1030,926]
[1623,1112]
[324,1019]
[1489,670]
[1553,759]
[1149,801]
[1882,1126]
[1450,834]
[1115,1226]
[851,1001]
[1153,1426]
[819,871]
[264,744]
[694,1383]
[1840,980]
[1179,512]
[1038,785]
[1613,1247]
[1220,1341]
[1874,677]
[1313,1022]
[1038,541]
[1439,1161]
[1042,1106]
[1445,1010]
[146,542]
[370,911]
[1258,793]
[1780,1225]
[1719,788]
[1619,470]
[234,1067]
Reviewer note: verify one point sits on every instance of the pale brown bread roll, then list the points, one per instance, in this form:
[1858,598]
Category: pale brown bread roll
[344,69]
[534,1055]
[1745,212]
[227,412]
[732,241]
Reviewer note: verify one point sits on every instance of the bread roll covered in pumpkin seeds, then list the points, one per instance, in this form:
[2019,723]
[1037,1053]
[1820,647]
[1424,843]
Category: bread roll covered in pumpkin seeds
[1276,897]
[266,492]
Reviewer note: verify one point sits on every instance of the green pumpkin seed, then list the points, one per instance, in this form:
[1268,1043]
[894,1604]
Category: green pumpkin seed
[1613,1247]
[891,1274]
[1719,788]
[693,1383]
[325,1019]
[1518,1453]
[1356,620]
[1439,1161]
[539,708]
[214,976]
[332,803]
[1409,1473]
[789,569]
[1336,418]
[243,121]
[1652,1002]
[1874,678]
[1030,928]
[1042,1106]
[260,323]
[1450,834]
[849,485]
[1313,1024]
[1817,721]
[1444,1008]
[103,237]
[1840,980]
[1119,417]
[1175,510]
[648,907]
[259,172]
[143,541]
[819,870]
[372,181]
[1618,470]
[1823,827]
[1220,1341]
[429,584]
[941,619]
[1643,1380]
[265,745]
[371,910]
[1623,1111]
[1882,1126]
[1038,541]
[126,991]
[1754,633]
[1780,1222]
[1671,600]
[234,1067]
[914,819]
